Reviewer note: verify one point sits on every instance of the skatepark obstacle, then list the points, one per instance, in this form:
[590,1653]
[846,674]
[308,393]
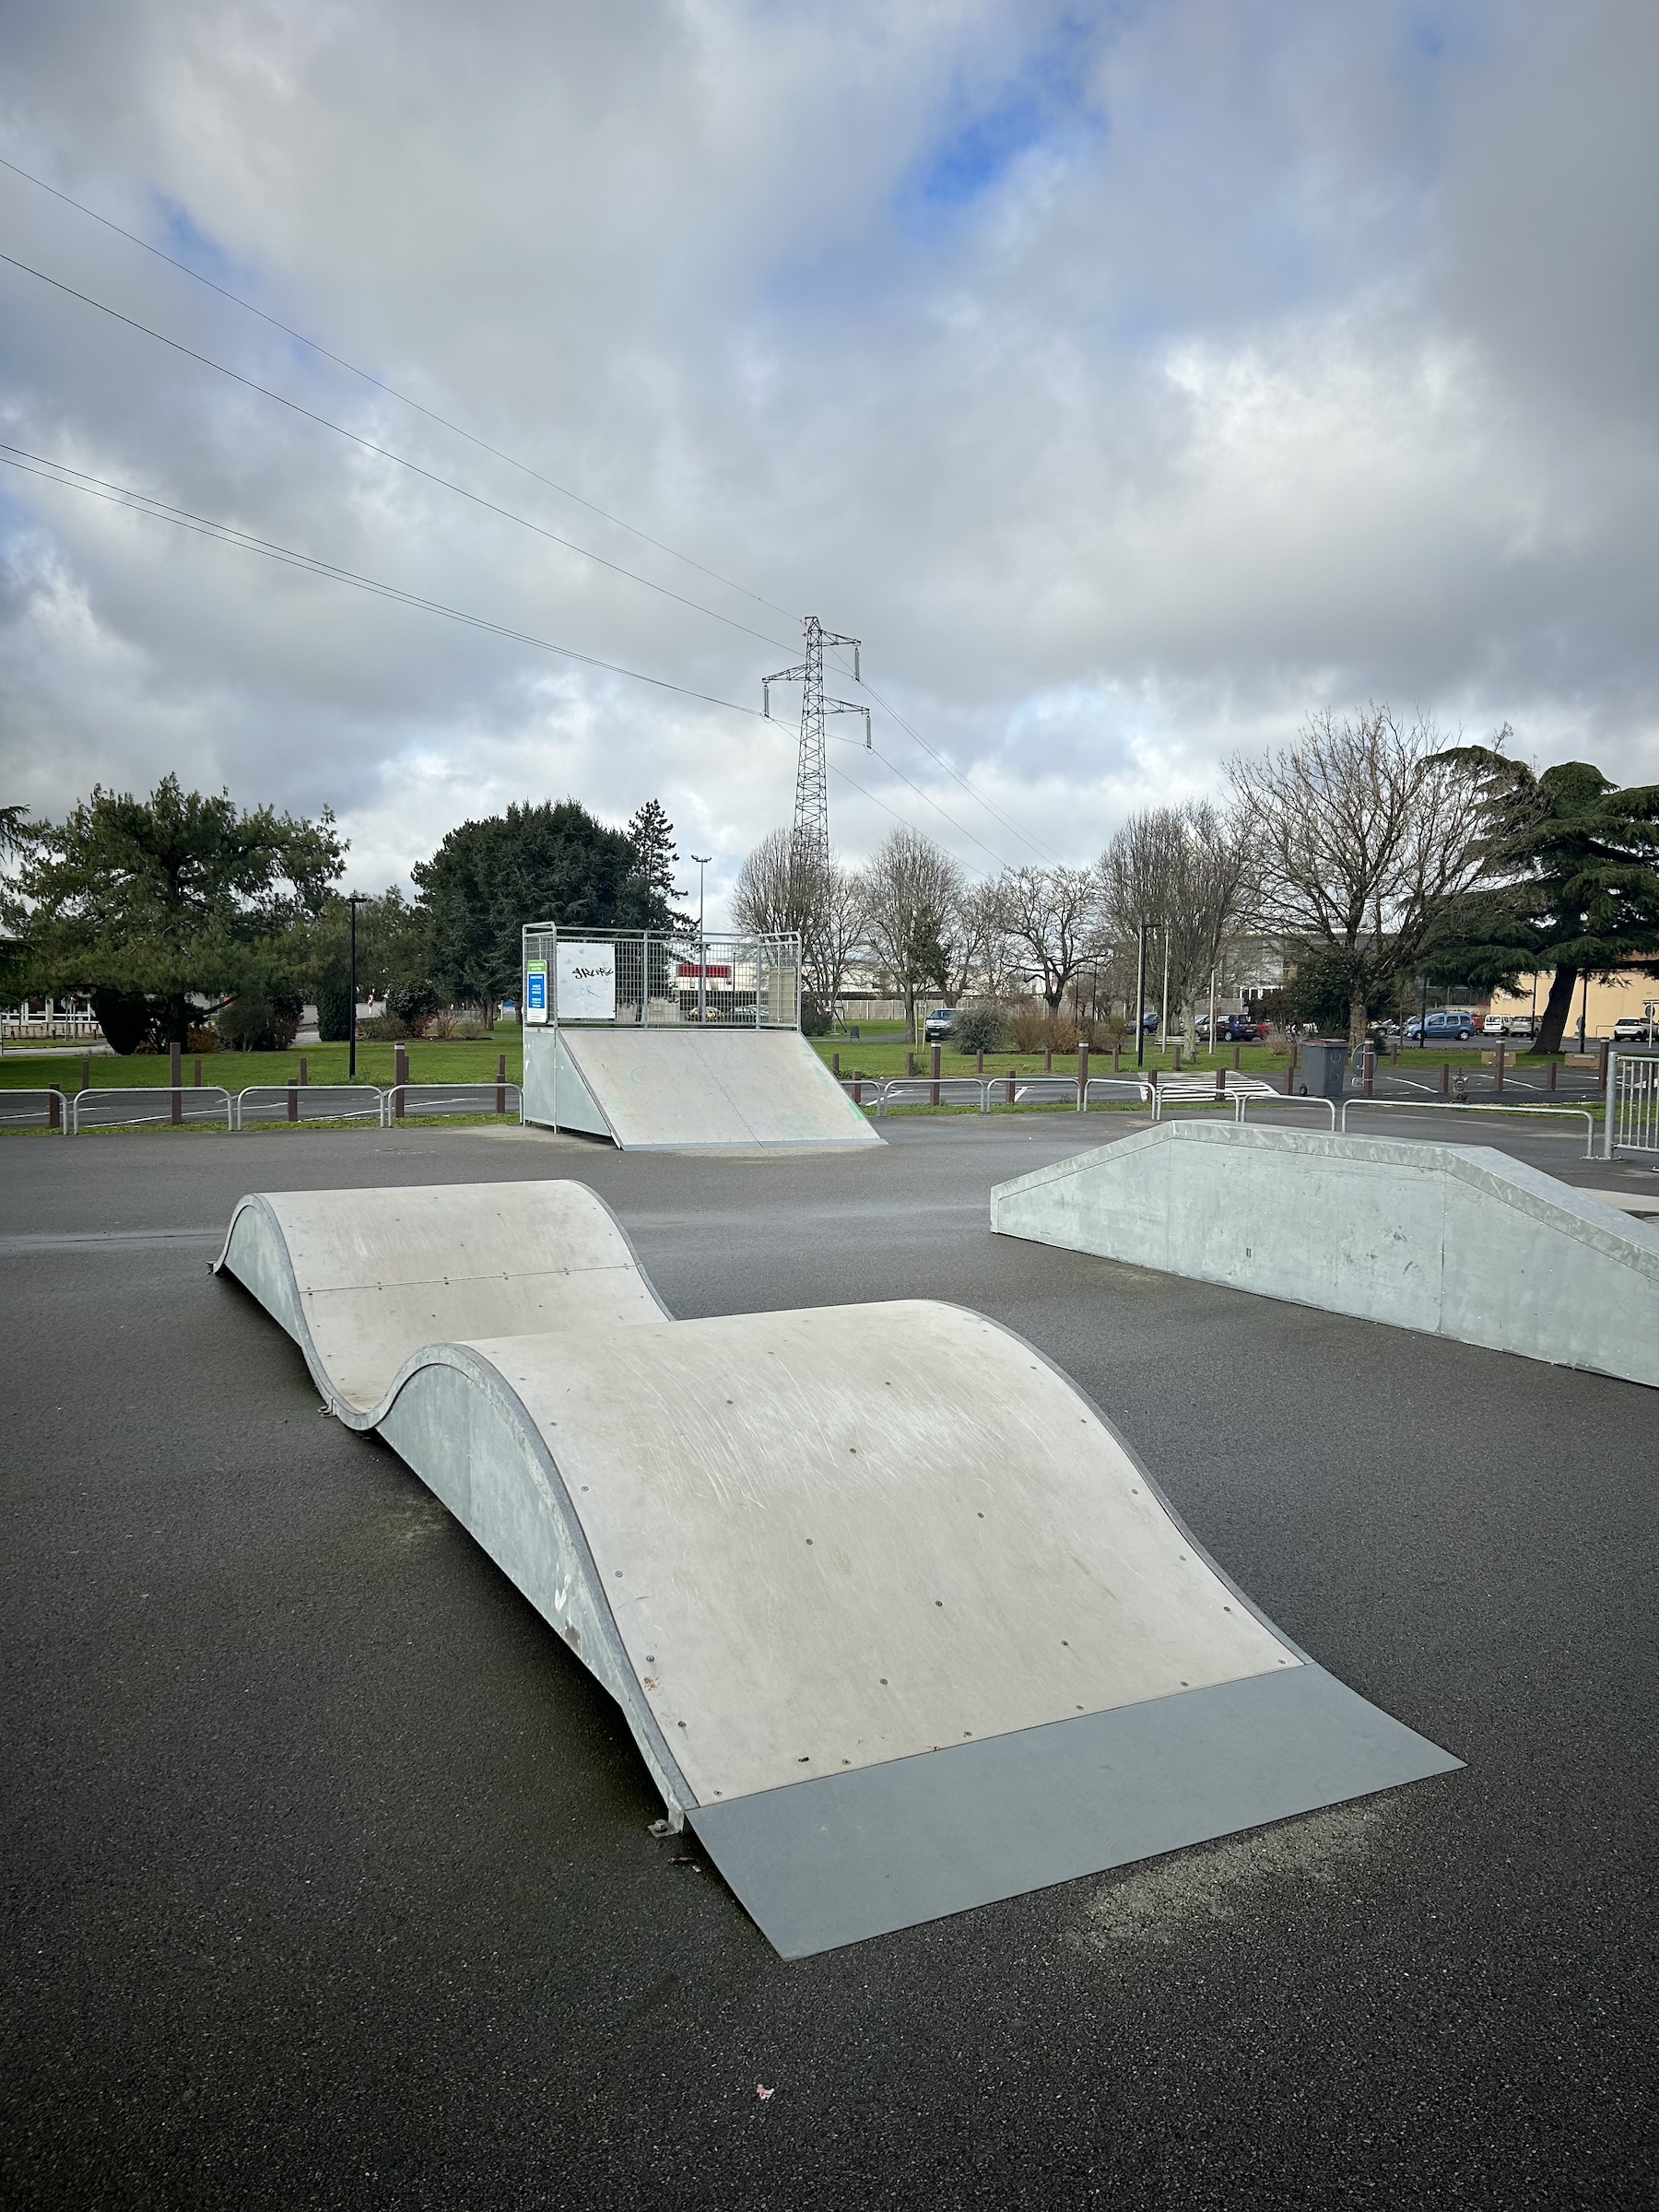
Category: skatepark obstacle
[1457,1240]
[665,1042]
[888,1663]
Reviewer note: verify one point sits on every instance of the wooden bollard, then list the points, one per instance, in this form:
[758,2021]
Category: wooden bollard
[1367,1071]
[1445,1079]
[1602,1051]
[55,1108]
[1290,1075]
[196,1067]
[979,1063]
[400,1077]
[85,1081]
[1237,1050]
[909,1065]
[293,1097]
[1497,1072]
[1083,1078]
[1550,1077]
[304,1072]
[1175,1064]
[500,1082]
[1117,1057]
[933,1069]
[175,1069]
[1008,1089]
[835,1065]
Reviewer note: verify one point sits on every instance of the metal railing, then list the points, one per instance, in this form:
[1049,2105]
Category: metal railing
[1631,1122]
[309,1102]
[1580,1113]
[33,1109]
[429,1101]
[658,978]
[156,1104]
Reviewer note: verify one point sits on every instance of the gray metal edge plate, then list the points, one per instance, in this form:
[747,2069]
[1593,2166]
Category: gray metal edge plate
[848,1856]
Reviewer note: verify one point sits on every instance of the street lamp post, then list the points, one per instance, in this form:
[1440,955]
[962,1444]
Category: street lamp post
[1141,999]
[702,860]
[354,901]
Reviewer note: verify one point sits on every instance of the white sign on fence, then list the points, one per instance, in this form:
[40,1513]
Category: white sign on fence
[587,983]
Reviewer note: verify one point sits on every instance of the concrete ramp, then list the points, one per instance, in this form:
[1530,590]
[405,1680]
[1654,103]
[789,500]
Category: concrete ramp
[674,1088]
[1457,1240]
[897,1622]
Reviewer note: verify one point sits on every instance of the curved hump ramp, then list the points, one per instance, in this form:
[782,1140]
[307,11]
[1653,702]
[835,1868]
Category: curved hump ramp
[1457,1240]
[675,1089]
[897,1622]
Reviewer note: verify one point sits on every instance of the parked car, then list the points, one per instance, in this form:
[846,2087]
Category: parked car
[1493,1025]
[1636,1028]
[1230,1028]
[1443,1025]
[936,1029]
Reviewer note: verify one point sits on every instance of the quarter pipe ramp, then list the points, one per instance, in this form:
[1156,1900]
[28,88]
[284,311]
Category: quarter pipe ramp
[896,1621]
[677,1088]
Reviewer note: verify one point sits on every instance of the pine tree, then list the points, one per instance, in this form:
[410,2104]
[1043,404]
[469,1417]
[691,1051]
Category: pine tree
[651,835]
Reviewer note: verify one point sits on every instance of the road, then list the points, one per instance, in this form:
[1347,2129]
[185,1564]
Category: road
[329,1877]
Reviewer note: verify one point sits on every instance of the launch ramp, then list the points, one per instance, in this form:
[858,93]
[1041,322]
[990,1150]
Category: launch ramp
[671,1089]
[895,1619]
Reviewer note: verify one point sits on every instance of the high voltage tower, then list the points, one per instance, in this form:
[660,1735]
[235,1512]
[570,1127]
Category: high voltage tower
[812,774]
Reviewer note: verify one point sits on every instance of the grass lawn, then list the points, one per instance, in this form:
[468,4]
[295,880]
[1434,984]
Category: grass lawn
[430,1060]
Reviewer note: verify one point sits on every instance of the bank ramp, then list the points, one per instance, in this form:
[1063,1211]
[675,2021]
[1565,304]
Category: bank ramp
[897,1622]
[1457,1240]
[688,1088]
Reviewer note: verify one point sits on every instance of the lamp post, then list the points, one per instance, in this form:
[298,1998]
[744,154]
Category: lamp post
[353,902]
[1141,999]
[702,860]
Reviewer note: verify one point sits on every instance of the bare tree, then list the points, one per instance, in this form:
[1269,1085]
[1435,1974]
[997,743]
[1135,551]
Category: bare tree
[1051,917]
[913,896]
[977,944]
[1179,870]
[786,886]
[1360,837]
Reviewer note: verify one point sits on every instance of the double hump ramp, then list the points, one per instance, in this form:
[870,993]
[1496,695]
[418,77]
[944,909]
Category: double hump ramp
[897,1622]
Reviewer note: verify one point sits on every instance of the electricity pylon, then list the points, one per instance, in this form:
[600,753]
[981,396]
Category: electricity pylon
[812,774]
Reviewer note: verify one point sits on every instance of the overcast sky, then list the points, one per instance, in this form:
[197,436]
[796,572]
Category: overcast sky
[1131,379]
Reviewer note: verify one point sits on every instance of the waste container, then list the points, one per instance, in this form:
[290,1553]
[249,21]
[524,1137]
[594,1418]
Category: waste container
[1321,1063]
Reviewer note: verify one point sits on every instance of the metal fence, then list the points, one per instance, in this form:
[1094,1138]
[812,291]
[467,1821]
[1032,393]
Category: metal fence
[1632,1104]
[422,1100]
[309,1102]
[652,979]
[985,1093]
[155,1104]
[32,1109]
[1575,1113]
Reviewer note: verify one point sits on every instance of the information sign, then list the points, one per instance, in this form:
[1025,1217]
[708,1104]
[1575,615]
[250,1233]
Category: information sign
[535,991]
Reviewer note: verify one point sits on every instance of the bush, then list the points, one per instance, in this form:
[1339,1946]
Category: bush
[202,1041]
[815,1020]
[1029,1019]
[382,1028]
[980,1025]
[334,1013]
[260,1022]
[414,1004]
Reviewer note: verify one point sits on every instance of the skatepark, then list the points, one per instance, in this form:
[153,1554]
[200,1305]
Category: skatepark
[330,1804]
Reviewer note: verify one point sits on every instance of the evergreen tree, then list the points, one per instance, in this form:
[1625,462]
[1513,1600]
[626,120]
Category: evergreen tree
[651,834]
[1572,883]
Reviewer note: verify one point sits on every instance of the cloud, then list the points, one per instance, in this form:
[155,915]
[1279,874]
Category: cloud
[1131,380]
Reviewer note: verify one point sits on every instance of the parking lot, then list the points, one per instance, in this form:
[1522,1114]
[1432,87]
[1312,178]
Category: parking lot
[330,1881]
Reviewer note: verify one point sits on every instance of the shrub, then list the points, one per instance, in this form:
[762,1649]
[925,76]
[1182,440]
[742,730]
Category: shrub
[202,1041]
[260,1022]
[334,1013]
[382,1028]
[1029,1019]
[815,1018]
[414,1004]
[981,1026]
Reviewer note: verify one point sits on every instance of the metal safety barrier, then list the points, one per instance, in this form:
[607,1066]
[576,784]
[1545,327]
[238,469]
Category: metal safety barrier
[156,1104]
[1287,1098]
[430,1100]
[1632,1104]
[1581,1114]
[309,1102]
[33,1109]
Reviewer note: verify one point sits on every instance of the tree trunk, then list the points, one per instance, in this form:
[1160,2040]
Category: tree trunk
[1356,1023]
[1557,1008]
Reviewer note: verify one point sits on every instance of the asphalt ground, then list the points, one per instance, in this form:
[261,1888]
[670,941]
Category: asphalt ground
[328,1878]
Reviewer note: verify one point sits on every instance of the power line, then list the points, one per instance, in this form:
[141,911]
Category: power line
[391,389]
[140,502]
[369,445]
[996,814]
